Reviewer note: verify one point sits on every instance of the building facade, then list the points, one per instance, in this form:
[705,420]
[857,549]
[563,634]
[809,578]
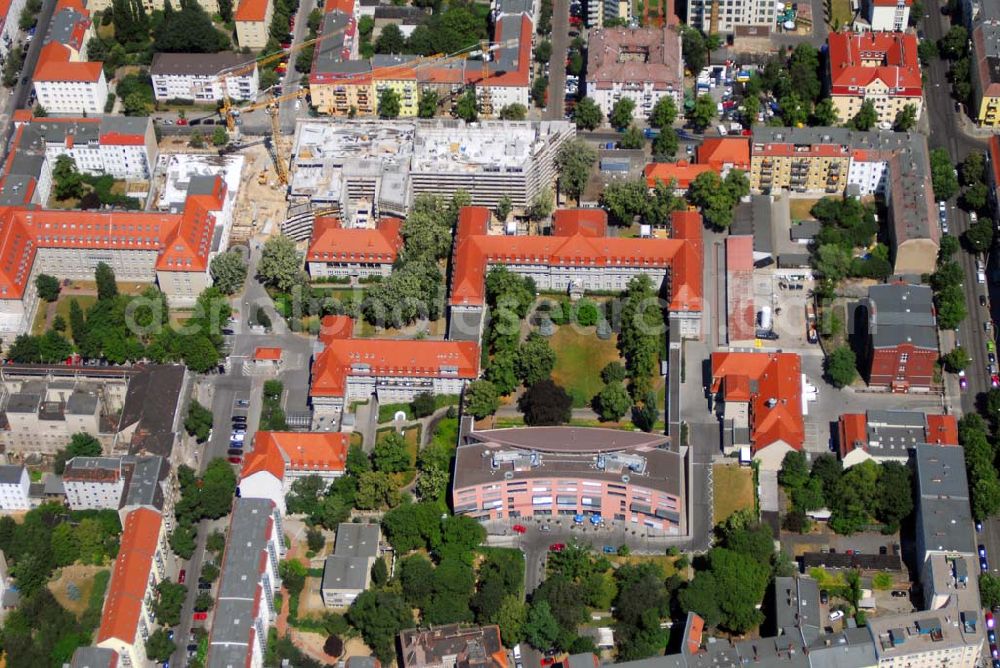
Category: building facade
[253,21]
[640,64]
[346,252]
[985,74]
[195,77]
[725,15]
[43,416]
[10,13]
[891,435]
[880,67]
[885,16]
[902,337]
[14,485]
[67,86]
[534,472]
[280,458]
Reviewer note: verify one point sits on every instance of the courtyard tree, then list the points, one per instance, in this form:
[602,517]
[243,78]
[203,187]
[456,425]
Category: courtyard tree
[587,115]
[575,160]
[841,366]
[48,287]
[545,404]
[280,264]
[229,271]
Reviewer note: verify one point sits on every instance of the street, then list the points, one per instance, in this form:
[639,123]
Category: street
[555,108]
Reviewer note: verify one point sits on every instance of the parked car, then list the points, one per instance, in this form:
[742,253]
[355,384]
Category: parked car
[517,651]
[899,593]
[204,585]
[608,549]
[235,460]
[982,300]
[557,547]
[182,576]
[979,526]
[824,596]
[984,565]
[234,451]
[836,614]
[545,528]
[520,528]
[982,551]
[200,616]
[990,622]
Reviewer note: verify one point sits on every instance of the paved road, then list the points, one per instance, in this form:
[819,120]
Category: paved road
[555,109]
[182,634]
[18,96]
[290,84]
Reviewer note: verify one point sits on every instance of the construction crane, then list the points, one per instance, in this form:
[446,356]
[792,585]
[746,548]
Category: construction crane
[273,107]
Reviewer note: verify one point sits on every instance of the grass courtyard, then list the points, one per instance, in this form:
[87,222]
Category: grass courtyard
[62,308]
[732,490]
[580,356]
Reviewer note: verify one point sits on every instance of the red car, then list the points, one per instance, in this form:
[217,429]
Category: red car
[995,380]
[182,576]
[182,121]
[548,661]
[557,547]
[235,460]
[520,528]
[200,616]
[990,623]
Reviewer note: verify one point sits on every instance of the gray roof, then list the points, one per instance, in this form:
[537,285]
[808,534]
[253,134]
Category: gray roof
[405,15]
[328,57]
[357,540]
[514,7]
[53,485]
[16,190]
[151,401]
[145,483]
[196,64]
[807,229]
[23,402]
[902,313]
[94,657]
[796,607]
[10,474]
[82,403]
[944,518]
[583,660]
[852,648]
[340,572]
[62,27]
[241,573]
[361,662]
[203,184]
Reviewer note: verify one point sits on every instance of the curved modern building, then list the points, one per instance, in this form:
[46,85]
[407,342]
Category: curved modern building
[623,476]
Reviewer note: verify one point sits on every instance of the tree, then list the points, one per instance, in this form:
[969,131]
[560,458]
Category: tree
[841,366]
[159,646]
[388,101]
[511,618]
[956,359]
[229,272]
[803,70]
[188,30]
[646,413]
[169,601]
[376,489]
[107,286]
[612,402]
[625,199]
[280,265]
[717,197]
[794,110]
[727,594]
[481,398]
[216,542]
[209,573]
[621,113]
[943,176]
[575,160]
[693,49]
[182,541]
[543,51]
[391,454]
[587,115]
[380,573]
[500,372]
[975,197]
[663,114]
[613,372]
[315,539]
[203,602]
[542,205]
[423,404]
[48,287]
[198,422]
[955,43]
[825,113]
[467,107]
[866,118]
[67,182]
[427,107]
[535,359]
[541,628]
[794,471]
[379,616]
[894,498]
[665,144]
[293,575]
[633,138]
[702,113]
[989,590]
[906,119]
[973,168]
[514,112]
[390,40]
[545,404]
[979,235]
[220,137]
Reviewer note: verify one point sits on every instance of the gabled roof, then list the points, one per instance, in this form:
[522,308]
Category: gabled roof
[279,451]
[775,394]
[344,356]
[54,65]
[332,242]
[123,607]
[682,173]
[719,152]
[578,239]
[896,53]
[251,10]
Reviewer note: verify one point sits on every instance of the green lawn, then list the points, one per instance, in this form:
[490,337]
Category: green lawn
[387,411]
[62,308]
[840,14]
[446,433]
[733,490]
[580,356]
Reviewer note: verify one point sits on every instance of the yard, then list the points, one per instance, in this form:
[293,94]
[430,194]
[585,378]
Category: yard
[664,561]
[840,13]
[89,582]
[412,437]
[62,308]
[580,356]
[732,490]
[801,209]
[386,412]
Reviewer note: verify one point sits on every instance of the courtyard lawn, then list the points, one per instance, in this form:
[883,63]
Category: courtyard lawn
[62,308]
[411,435]
[580,356]
[840,13]
[801,209]
[733,490]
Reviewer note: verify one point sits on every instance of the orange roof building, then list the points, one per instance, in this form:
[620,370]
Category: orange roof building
[577,256]
[762,400]
[725,153]
[64,82]
[139,567]
[253,20]
[890,435]
[680,173]
[336,251]
[279,458]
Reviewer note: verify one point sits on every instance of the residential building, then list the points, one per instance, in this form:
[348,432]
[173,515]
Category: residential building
[884,16]
[715,16]
[741,314]
[244,605]
[985,74]
[347,572]
[119,483]
[680,174]
[943,514]
[881,67]
[10,13]
[195,77]
[509,79]
[94,657]
[600,11]
[14,484]
[929,638]
[210,6]
[67,86]
[631,478]
[353,252]
[452,646]
[760,402]
[151,416]
[891,435]
[139,567]
[405,18]
[279,458]
[640,64]
[577,257]
[42,415]
[342,166]
[265,360]
[892,165]
[902,347]
[253,21]
[715,154]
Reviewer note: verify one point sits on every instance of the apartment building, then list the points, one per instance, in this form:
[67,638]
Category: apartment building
[65,86]
[253,22]
[210,6]
[94,657]
[354,252]
[714,16]
[10,13]
[599,11]
[631,477]
[244,605]
[883,16]
[140,566]
[985,75]
[881,67]
[892,165]
[395,370]
[43,415]
[452,646]
[14,486]
[577,257]
[347,572]
[715,154]
[891,435]
[195,77]
[641,64]
[117,483]
[902,346]
[279,458]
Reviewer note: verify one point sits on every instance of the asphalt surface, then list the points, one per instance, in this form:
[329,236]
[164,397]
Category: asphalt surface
[555,110]
[18,96]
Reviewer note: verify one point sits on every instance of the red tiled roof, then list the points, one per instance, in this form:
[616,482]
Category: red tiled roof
[896,53]
[852,432]
[331,242]
[425,358]
[719,152]
[776,405]
[942,430]
[251,10]
[123,607]
[694,635]
[267,354]
[578,240]
[342,6]
[522,75]
[54,65]
[682,173]
[278,451]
